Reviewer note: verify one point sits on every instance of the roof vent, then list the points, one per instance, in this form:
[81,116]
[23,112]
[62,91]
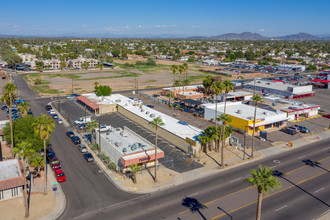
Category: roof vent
[239,111]
[265,113]
[124,150]
[118,144]
[122,133]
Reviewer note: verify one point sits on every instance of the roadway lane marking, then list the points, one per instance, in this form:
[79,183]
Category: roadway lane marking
[318,190]
[301,157]
[233,193]
[269,195]
[195,194]
[280,208]
[236,180]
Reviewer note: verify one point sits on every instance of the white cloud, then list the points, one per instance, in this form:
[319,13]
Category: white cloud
[84,25]
[156,26]
[127,27]
[195,26]
[261,30]
[9,25]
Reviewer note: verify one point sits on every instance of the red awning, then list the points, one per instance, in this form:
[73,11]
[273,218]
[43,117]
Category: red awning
[320,80]
[275,80]
[87,102]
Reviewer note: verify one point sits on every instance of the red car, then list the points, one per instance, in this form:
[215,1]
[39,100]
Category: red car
[55,163]
[60,176]
[326,116]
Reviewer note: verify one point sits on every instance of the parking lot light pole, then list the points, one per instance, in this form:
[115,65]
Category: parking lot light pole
[59,102]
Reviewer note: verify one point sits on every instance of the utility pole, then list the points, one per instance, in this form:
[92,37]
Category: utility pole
[137,86]
[254,93]
[59,103]
[85,114]
[72,85]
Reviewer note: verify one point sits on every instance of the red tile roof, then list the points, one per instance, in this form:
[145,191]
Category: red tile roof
[88,103]
[13,182]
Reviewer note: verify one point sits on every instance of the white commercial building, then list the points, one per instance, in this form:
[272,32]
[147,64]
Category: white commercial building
[125,148]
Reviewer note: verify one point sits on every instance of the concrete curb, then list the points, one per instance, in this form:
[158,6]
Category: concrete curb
[60,199]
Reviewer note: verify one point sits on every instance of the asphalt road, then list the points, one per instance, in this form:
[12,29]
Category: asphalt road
[228,186]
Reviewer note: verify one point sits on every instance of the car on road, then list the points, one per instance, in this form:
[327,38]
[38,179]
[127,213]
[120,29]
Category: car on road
[55,116]
[289,131]
[82,126]
[4,107]
[18,101]
[30,112]
[59,121]
[294,128]
[48,107]
[105,128]
[55,163]
[75,140]
[52,111]
[60,176]
[150,106]
[82,148]
[69,134]
[88,157]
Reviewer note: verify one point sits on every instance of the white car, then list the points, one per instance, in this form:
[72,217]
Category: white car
[52,111]
[59,121]
[105,128]
[82,148]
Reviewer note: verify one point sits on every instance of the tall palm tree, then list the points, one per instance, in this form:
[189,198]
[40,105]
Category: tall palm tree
[181,69]
[101,66]
[156,123]
[227,87]
[256,99]
[217,89]
[24,108]
[174,69]
[37,161]
[92,125]
[134,169]
[225,119]
[265,181]
[204,140]
[23,150]
[185,81]
[210,133]
[207,84]
[7,97]
[43,127]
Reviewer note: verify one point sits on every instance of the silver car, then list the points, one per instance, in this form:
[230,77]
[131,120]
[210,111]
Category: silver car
[82,148]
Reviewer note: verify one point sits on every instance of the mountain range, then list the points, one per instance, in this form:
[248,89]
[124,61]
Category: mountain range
[228,36]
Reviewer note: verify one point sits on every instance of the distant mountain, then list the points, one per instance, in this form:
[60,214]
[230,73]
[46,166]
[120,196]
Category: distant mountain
[299,36]
[241,36]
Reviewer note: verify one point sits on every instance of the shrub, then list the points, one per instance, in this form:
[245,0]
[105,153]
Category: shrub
[106,159]
[95,147]
[101,155]
[37,81]
[112,166]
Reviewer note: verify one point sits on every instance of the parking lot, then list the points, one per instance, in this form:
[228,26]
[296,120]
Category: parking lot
[174,158]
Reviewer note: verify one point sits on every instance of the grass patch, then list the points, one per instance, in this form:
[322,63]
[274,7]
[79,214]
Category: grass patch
[152,81]
[195,78]
[26,78]
[45,89]
[111,77]
[149,87]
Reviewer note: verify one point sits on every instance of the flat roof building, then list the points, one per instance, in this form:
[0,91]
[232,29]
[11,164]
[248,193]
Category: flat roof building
[243,116]
[282,89]
[125,148]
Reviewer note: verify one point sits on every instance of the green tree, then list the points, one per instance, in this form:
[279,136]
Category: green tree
[43,127]
[92,126]
[102,90]
[37,162]
[210,133]
[63,65]
[23,150]
[256,99]
[217,89]
[264,180]
[207,83]
[134,169]
[311,68]
[225,119]
[12,59]
[24,108]
[156,123]
[8,95]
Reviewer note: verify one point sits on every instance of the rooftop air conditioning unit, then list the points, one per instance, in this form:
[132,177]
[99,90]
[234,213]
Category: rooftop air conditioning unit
[123,134]
[265,113]
[124,150]
[239,111]
[147,112]
[118,143]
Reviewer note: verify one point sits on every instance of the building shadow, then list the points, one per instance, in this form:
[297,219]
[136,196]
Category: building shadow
[314,164]
[231,217]
[194,205]
[213,159]
[281,175]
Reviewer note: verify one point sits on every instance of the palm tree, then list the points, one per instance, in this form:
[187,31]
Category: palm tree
[134,169]
[43,127]
[155,124]
[265,181]
[204,140]
[225,119]
[181,69]
[92,126]
[256,99]
[185,81]
[217,88]
[37,162]
[101,68]
[207,84]
[24,150]
[24,108]
[7,98]
[174,69]
[210,133]
[227,87]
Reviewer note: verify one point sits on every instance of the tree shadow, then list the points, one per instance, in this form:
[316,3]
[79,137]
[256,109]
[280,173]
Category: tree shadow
[314,164]
[213,159]
[231,217]
[194,205]
[281,175]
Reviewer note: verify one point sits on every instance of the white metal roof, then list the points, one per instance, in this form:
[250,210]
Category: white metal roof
[9,169]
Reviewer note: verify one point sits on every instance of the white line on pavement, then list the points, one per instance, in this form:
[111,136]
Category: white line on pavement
[195,194]
[319,190]
[301,156]
[272,167]
[235,180]
[280,208]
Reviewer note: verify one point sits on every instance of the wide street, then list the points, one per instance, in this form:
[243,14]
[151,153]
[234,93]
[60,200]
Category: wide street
[91,195]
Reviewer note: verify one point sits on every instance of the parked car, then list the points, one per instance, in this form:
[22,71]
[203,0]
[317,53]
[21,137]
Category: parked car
[326,115]
[75,140]
[82,148]
[302,129]
[60,176]
[88,157]
[289,131]
[55,163]
[150,106]
[72,96]
[59,121]
[18,101]
[69,134]
[4,107]
[294,128]
[82,120]
[52,111]
[50,155]
[82,126]
[55,116]
[30,112]
[48,107]
[105,128]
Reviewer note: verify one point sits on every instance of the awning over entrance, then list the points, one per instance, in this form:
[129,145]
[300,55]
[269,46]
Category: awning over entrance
[88,103]
[268,122]
[141,157]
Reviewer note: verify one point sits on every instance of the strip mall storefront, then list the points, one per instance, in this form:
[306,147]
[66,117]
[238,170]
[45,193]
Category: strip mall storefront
[145,159]
[301,113]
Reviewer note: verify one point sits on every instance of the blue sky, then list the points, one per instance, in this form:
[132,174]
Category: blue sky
[172,17]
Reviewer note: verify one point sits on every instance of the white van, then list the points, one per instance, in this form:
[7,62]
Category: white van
[81,120]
